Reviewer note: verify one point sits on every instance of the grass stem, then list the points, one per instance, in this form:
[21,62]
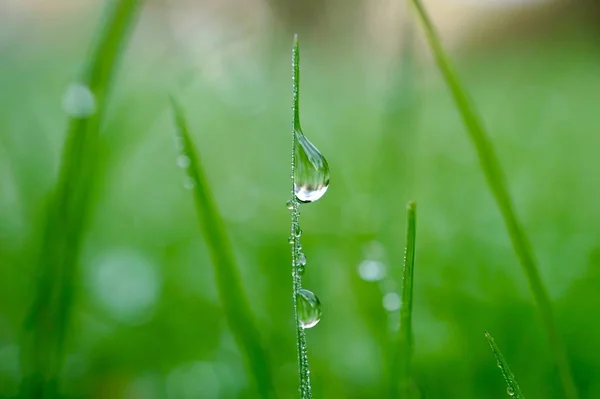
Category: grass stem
[46,325]
[511,383]
[231,293]
[494,175]
[401,361]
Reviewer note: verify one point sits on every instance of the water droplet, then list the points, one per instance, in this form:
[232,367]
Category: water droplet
[301,259]
[289,205]
[391,301]
[189,183]
[297,231]
[183,161]
[301,268]
[371,270]
[291,240]
[79,101]
[309,308]
[311,171]
[510,391]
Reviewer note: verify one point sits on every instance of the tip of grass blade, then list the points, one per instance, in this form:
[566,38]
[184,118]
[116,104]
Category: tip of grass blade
[509,378]
[411,206]
[295,39]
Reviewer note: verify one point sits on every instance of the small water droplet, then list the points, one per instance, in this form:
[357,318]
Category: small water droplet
[510,391]
[301,268]
[289,205]
[297,231]
[189,183]
[391,301]
[291,240]
[183,161]
[311,171]
[79,101]
[371,270]
[499,365]
[309,308]
[301,259]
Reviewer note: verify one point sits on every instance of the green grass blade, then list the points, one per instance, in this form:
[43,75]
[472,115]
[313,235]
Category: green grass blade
[511,383]
[494,175]
[46,325]
[401,361]
[231,293]
[301,344]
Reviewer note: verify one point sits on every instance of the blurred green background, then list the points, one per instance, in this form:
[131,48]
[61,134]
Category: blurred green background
[147,322]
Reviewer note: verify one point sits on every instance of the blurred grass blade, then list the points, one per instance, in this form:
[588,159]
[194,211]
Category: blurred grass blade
[496,181]
[403,352]
[229,285]
[511,383]
[68,208]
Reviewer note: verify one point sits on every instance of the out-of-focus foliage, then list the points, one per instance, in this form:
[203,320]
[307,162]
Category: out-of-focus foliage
[147,321]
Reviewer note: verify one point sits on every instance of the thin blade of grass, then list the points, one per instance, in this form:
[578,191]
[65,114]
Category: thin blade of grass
[511,383]
[231,293]
[301,344]
[46,325]
[494,175]
[401,361]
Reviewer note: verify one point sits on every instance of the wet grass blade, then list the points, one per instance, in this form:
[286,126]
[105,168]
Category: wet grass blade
[494,175]
[229,284]
[401,361]
[47,323]
[511,383]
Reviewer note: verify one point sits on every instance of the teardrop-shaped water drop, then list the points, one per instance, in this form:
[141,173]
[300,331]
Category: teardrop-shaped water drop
[301,259]
[311,171]
[309,308]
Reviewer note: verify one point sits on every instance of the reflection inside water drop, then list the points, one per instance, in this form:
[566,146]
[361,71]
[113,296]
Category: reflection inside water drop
[309,308]
[311,170]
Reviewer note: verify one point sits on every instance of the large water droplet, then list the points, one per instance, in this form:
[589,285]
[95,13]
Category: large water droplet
[311,171]
[309,308]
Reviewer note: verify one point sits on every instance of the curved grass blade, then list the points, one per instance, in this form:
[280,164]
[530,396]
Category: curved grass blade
[401,361]
[494,175]
[231,293]
[46,325]
[511,383]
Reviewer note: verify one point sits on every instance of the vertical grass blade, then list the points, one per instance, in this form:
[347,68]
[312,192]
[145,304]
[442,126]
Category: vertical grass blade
[401,361]
[231,293]
[496,181]
[45,328]
[301,344]
[511,383]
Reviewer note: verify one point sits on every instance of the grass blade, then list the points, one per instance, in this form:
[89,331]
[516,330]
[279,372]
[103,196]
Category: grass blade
[401,361]
[231,293]
[511,383]
[46,325]
[496,181]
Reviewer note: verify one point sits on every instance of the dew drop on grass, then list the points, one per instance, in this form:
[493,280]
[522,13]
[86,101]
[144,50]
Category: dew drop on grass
[297,231]
[510,391]
[309,308]
[189,183]
[301,259]
[289,205]
[391,301]
[311,171]
[300,269]
[79,101]
[183,161]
